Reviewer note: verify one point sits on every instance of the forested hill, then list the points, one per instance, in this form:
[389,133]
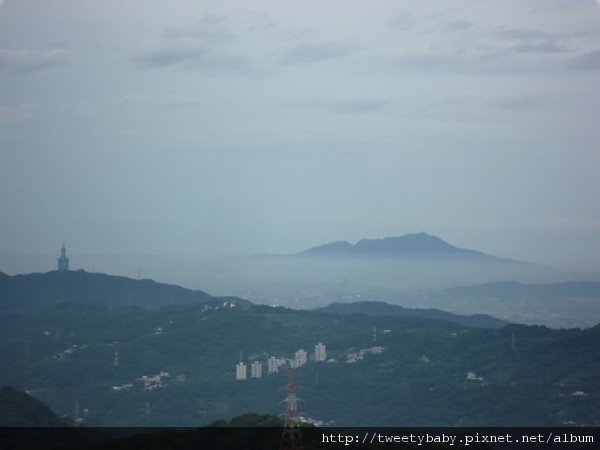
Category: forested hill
[175,366]
[18,409]
[376,308]
[37,291]
[73,341]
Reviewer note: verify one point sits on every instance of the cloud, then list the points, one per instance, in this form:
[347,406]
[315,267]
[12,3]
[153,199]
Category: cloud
[359,106]
[197,57]
[460,101]
[560,222]
[316,52]
[18,112]
[586,61]
[24,61]
[430,60]
[498,51]
[130,99]
[170,55]
[352,106]
[520,34]
[453,26]
[204,46]
[169,102]
[211,28]
[519,102]
[179,101]
[526,40]
[404,21]
[479,61]
[454,108]
[544,46]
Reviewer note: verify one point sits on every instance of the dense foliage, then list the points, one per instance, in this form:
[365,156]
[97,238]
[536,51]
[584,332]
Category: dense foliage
[17,409]
[374,308]
[36,291]
[86,361]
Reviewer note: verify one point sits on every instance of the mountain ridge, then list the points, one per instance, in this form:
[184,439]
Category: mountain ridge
[383,369]
[380,308]
[515,289]
[19,409]
[410,245]
[415,371]
[34,291]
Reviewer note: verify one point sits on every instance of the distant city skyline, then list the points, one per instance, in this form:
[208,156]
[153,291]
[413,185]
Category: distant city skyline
[234,127]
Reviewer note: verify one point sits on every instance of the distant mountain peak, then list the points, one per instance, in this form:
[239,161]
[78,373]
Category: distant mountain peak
[417,242]
[414,244]
[332,247]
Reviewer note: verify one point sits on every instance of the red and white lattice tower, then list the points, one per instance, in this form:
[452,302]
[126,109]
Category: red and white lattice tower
[291,439]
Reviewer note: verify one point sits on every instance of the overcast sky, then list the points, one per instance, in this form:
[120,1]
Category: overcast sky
[235,127]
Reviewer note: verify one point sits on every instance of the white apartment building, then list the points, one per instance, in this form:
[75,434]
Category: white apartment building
[240,371]
[300,358]
[320,352]
[273,364]
[256,369]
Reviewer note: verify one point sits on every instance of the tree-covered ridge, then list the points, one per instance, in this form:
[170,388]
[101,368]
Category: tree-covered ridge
[18,409]
[426,372]
[559,305]
[376,308]
[37,291]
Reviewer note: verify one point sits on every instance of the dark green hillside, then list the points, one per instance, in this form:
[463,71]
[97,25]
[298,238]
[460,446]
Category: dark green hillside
[428,372]
[559,305]
[36,291]
[18,409]
[385,309]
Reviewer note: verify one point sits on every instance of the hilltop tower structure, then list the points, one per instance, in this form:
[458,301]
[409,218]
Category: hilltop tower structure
[63,260]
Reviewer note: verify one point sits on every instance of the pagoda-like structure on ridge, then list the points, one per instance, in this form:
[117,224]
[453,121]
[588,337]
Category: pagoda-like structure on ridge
[63,260]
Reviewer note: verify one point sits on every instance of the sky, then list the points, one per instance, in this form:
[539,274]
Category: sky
[235,127]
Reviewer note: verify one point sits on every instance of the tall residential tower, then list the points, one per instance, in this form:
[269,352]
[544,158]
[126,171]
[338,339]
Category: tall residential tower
[320,352]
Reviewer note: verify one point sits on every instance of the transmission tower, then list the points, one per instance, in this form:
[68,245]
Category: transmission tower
[291,438]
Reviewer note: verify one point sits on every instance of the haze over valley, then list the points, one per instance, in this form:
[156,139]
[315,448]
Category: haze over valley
[415,270]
